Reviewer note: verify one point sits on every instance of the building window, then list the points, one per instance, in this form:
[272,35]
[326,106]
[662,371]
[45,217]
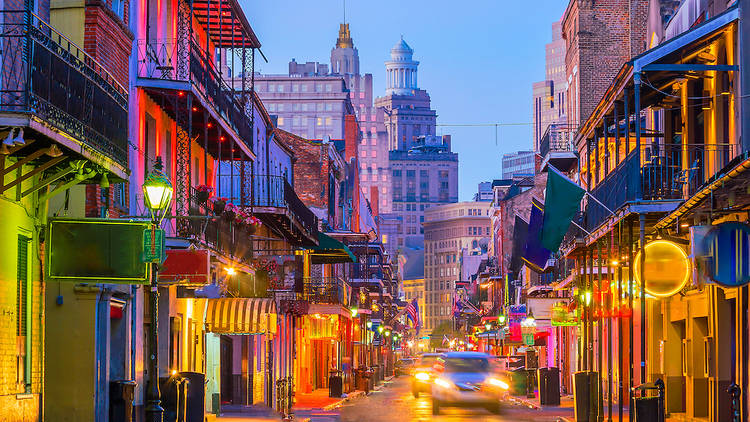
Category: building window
[23,362]
[281,121]
[328,121]
[319,121]
[373,154]
[295,88]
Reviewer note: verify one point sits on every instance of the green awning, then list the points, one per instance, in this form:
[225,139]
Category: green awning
[330,251]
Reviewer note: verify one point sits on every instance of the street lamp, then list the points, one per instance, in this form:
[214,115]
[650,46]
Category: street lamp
[157,196]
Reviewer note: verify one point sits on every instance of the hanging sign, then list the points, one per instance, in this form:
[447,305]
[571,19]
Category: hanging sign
[666,269]
[728,246]
[563,316]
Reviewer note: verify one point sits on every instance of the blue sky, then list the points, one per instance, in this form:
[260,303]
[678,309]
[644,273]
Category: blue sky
[478,59]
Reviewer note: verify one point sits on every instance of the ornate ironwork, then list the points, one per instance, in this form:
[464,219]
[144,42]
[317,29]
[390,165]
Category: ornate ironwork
[67,88]
[182,159]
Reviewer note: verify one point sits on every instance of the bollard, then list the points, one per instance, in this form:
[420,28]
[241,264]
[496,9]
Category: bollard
[735,392]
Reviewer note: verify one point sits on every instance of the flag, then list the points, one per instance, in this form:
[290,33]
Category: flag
[412,312]
[535,255]
[520,234]
[561,202]
[445,339]
[456,307]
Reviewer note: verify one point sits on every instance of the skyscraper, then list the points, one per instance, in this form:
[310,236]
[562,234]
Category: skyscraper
[549,94]
[424,170]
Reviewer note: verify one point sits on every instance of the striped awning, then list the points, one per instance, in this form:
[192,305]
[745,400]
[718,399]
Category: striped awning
[241,316]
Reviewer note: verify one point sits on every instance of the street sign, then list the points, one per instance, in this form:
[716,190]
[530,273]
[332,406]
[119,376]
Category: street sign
[153,252]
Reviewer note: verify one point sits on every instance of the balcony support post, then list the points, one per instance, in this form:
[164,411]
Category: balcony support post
[631,403]
[589,307]
[637,113]
[621,361]
[606,146]
[616,119]
[626,114]
[600,330]
[597,163]
[642,222]
[205,148]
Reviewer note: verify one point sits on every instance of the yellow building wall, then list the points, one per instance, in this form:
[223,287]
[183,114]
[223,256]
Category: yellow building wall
[68,17]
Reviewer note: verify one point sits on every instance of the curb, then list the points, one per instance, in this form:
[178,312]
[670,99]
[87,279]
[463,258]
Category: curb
[524,402]
[350,396]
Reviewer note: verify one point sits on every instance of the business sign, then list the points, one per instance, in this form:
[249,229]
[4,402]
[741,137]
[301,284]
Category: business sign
[186,267]
[96,250]
[728,246]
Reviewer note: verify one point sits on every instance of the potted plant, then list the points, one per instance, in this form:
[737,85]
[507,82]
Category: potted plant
[252,223]
[203,193]
[219,205]
[230,211]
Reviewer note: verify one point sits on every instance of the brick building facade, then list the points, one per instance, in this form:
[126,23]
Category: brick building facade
[600,36]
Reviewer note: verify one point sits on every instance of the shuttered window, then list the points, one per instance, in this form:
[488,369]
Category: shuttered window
[21,284]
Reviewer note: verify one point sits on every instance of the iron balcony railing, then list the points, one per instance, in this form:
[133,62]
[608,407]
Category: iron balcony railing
[185,61]
[370,271]
[669,172]
[557,137]
[45,74]
[275,191]
[216,232]
[328,290]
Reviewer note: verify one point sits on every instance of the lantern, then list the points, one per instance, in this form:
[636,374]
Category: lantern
[667,268]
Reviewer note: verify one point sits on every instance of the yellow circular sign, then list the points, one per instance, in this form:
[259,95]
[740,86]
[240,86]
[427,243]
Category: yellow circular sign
[666,269]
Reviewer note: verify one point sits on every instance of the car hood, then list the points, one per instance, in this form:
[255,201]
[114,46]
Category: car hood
[468,378]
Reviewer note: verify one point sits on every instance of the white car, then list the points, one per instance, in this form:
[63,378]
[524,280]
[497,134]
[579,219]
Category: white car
[467,379]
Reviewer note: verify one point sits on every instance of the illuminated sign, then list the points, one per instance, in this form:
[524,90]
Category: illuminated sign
[666,269]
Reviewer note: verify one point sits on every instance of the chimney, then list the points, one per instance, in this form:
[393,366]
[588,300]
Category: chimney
[374,201]
[351,137]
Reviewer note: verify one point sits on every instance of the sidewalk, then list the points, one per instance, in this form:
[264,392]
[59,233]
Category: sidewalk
[318,399]
[565,407]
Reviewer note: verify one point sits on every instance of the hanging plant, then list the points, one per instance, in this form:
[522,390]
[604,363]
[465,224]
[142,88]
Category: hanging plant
[203,193]
[230,212]
[219,204]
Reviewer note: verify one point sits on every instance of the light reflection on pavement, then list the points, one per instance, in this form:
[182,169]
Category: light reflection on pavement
[394,402]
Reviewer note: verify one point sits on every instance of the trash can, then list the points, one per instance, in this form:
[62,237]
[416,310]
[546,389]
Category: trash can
[647,409]
[173,397]
[335,383]
[195,400]
[585,395]
[549,386]
[121,395]
[518,381]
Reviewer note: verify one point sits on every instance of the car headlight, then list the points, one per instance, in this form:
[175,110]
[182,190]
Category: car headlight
[422,376]
[443,383]
[499,383]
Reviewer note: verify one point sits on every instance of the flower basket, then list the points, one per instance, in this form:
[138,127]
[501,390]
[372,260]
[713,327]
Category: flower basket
[230,212]
[251,229]
[219,205]
[203,193]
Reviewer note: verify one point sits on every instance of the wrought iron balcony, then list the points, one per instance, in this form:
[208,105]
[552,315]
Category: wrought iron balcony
[671,172]
[326,290]
[183,61]
[557,146]
[48,77]
[215,232]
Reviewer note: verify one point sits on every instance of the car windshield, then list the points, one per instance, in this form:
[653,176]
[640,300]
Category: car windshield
[466,365]
[405,362]
[427,361]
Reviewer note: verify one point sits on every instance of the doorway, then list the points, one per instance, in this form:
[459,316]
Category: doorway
[225,354]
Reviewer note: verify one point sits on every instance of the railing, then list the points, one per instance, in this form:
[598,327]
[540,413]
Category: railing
[180,60]
[328,290]
[557,137]
[366,271]
[46,74]
[275,191]
[218,233]
[669,172]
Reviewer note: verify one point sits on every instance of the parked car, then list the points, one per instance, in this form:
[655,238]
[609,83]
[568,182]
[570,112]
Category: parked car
[467,379]
[404,366]
[421,380]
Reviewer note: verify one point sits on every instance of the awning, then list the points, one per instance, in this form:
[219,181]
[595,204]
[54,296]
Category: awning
[330,251]
[241,316]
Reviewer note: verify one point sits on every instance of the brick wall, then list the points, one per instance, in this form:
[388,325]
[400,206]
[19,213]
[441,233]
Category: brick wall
[310,169]
[95,202]
[600,36]
[108,39]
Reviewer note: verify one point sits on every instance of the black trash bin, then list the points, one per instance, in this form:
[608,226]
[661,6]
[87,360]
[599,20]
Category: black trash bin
[121,395]
[335,383]
[196,396]
[173,397]
[647,409]
[518,380]
[585,394]
[549,386]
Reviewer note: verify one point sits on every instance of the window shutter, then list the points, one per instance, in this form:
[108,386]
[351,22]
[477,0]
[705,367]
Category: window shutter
[22,283]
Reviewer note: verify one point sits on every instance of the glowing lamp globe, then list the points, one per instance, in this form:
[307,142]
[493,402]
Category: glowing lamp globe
[666,269]
[157,189]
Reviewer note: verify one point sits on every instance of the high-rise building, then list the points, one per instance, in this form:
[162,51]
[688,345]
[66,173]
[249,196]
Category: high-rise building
[484,192]
[450,230]
[517,164]
[423,169]
[549,94]
[310,105]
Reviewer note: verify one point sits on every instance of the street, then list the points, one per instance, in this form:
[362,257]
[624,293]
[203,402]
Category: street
[394,402]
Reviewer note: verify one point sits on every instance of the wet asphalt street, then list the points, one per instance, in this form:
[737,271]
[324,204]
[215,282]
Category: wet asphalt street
[394,402]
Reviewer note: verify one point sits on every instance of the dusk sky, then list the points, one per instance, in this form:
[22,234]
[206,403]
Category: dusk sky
[477,58]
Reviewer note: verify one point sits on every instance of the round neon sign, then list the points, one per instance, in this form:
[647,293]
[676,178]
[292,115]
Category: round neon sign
[667,268]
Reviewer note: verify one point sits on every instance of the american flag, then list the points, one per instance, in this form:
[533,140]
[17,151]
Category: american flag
[412,312]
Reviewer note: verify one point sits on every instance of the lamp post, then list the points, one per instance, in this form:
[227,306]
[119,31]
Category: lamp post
[157,196]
